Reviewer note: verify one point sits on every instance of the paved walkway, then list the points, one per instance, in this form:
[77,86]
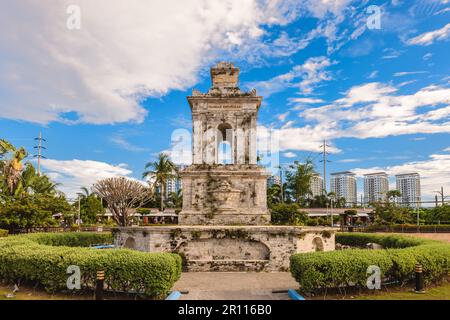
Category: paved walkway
[235,285]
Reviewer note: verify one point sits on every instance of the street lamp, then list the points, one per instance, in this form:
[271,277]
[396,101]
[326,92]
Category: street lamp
[79,210]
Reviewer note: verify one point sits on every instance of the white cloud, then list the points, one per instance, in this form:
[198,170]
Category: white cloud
[373,110]
[408,73]
[283,116]
[74,174]
[434,172]
[305,100]
[120,141]
[289,154]
[305,76]
[427,56]
[427,38]
[373,74]
[122,53]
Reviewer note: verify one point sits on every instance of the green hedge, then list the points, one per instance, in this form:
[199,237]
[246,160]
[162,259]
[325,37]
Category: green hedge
[409,228]
[348,267]
[44,258]
[3,233]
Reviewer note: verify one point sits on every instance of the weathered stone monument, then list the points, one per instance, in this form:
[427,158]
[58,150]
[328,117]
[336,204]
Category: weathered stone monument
[214,192]
[224,224]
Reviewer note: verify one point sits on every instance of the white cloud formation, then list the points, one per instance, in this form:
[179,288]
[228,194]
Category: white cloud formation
[428,38]
[123,53]
[373,110]
[408,73]
[74,174]
[305,100]
[434,173]
[289,155]
[305,77]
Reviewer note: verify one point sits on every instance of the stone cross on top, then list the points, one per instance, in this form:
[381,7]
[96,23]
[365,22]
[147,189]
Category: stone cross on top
[224,120]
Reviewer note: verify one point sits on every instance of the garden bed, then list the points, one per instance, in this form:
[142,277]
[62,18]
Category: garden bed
[43,258]
[348,268]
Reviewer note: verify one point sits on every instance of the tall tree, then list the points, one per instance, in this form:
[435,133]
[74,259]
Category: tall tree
[11,166]
[122,194]
[161,170]
[299,180]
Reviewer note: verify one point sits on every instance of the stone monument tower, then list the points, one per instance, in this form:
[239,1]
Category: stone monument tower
[224,224]
[224,185]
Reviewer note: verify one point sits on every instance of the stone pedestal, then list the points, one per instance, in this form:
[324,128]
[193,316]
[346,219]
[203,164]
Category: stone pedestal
[224,195]
[229,248]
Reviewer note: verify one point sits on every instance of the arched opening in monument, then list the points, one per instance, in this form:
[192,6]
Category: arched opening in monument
[224,144]
[130,243]
[317,244]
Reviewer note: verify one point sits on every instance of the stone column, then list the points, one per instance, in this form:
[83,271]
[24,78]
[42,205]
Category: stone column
[252,141]
[197,141]
[240,142]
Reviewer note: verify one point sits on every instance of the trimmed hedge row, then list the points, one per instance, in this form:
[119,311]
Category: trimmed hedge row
[408,228]
[345,268]
[3,233]
[44,258]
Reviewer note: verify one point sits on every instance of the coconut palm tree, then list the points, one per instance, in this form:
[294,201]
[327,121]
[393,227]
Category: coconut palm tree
[11,167]
[161,170]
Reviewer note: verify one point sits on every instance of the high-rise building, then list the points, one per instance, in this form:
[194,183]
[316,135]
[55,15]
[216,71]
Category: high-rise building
[272,180]
[173,185]
[409,186]
[316,185]
[343,184]
[376,187]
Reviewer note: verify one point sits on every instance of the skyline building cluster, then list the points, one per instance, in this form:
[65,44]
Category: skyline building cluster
[376,187]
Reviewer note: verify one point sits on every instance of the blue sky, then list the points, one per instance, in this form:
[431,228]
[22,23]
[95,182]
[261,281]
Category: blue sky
[109,95]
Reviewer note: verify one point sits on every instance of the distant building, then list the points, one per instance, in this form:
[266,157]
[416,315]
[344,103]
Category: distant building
[409,186]
[316,185]
[272,180]
[376,187]
[173,185]
[343,184]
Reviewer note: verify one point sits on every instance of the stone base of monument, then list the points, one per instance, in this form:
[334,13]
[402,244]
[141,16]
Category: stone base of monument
[228,248]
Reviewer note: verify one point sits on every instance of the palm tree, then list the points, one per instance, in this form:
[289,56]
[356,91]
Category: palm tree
[86,193]
[11,168]
[161,170]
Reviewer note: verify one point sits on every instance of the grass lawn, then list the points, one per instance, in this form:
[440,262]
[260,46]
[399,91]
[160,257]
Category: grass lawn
[433,293]
[30,294]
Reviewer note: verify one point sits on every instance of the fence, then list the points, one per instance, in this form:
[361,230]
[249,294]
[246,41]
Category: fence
[402,228]
[66,229]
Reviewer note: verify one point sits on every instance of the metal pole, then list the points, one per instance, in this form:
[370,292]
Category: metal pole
[39,153]
[281,185]
[418,214]
[79,211]
[99,285]
[332,223]
[325,166]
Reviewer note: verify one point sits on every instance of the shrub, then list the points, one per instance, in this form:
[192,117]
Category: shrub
[44,258]
[287,214]
[3,233]
[348,267]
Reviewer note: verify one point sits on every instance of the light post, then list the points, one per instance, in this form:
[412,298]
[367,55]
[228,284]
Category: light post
[331,211]
[79,211]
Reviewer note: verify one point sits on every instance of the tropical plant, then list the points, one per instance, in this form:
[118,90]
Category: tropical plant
[161,170]
[122,194]
[11,166]
[273,195]
[299,180]
[289,214]
[176,198]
